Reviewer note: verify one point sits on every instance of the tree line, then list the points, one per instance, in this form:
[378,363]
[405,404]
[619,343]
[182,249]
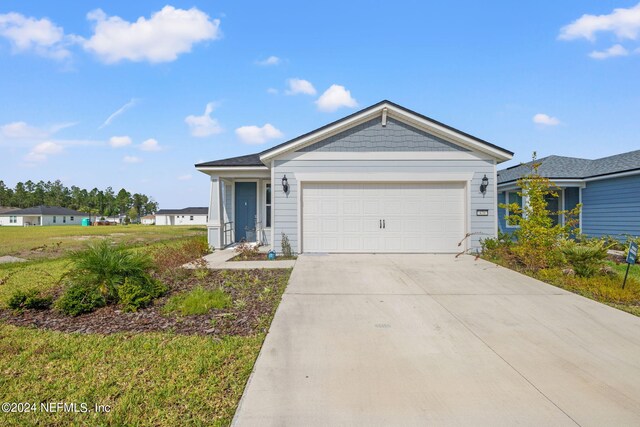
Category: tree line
[97,202]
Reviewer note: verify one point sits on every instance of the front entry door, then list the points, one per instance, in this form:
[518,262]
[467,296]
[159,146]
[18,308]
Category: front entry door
[246,209]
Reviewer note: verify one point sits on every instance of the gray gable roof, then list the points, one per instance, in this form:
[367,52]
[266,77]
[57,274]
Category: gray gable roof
[45,210]
[560,167]
[248,160]
[254,159]
[185,211]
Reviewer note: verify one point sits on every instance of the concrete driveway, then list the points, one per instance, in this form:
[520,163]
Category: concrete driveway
[431,340]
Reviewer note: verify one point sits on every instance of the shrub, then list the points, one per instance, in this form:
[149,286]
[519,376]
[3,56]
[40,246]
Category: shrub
[107,266]
[136,293]
[586,259]
[247,251]
[29,299]
[172,257]
[197,301]
[80,298]
[286,246]
[538,238]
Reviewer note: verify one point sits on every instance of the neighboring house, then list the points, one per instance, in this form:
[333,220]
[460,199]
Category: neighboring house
[608,188]
[148,220]
[186,216]
[384,179]
[42,215]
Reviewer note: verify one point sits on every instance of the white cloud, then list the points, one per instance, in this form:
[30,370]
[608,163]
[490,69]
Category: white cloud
[615,50]
[257,135]
[161,38]
[546,120]
[119,111]
[272,91]
[300,86]
[22,130]
[624,23]
[40,36]
[185,177]
[272,60]
[119,141]
[40,152]
[131,159]
[150,145]
[204,125]
[335,97]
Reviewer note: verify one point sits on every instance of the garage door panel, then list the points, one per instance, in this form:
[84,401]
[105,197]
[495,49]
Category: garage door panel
[345,217]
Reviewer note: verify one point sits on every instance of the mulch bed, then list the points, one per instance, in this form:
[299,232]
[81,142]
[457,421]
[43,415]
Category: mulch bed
[240,319]
[261,256]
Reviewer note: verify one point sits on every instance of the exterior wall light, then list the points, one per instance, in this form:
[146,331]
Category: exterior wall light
[484,185]
[285,184]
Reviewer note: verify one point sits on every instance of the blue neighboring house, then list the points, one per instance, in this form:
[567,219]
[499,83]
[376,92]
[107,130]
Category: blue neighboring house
[608,188]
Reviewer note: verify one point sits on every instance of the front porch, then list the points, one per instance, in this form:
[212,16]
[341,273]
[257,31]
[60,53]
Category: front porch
[240,208]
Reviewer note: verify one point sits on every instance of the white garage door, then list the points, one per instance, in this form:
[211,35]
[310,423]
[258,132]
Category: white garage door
[383,217]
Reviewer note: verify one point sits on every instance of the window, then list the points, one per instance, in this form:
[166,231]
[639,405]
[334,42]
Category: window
[71,218]
[267,200]
[54,219]
[13,220]
[191,218]
[64,219]
[512,197]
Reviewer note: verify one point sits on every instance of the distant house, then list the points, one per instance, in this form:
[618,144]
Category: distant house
[186,216]
[42,215]
[148,220]
[608,188]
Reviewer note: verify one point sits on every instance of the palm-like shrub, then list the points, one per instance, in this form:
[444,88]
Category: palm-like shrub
[103,274]
[586,259]
[107,266]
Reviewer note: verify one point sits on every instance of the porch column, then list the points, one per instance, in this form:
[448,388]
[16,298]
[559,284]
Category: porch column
[215,225]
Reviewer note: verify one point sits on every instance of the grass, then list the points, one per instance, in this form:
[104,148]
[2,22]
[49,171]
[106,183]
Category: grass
[634,271]
[42,275]
[54,241]
[146,379]
[197,301]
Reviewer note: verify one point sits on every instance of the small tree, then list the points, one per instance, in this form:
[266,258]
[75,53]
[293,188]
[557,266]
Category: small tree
[133,214]
[538,238]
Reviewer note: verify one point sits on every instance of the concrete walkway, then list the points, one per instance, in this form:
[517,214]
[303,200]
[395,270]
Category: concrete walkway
[366,340]
[219,260]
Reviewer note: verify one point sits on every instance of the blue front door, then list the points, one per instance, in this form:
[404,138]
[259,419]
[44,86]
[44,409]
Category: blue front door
[246,209]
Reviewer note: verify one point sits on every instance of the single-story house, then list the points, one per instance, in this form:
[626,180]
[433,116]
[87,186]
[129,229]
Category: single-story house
[608,188]
[186,216]
[384,179]
[42,215]
[148,220]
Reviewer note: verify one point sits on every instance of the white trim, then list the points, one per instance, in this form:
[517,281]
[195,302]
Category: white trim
[384,177]
[557,182]
[613,175]
[273,203]
[299,214]
[384,155]
[264,201]
[420,122]
[580,215]
[495,195]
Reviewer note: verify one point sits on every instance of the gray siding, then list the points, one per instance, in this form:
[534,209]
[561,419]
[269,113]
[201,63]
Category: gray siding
[286,206]
[372,136]
[611,206]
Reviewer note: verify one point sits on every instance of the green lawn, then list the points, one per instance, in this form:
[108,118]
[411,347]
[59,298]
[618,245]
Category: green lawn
[147,379]
[54,241]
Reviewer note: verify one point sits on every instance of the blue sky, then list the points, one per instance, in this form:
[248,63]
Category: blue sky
[523,75]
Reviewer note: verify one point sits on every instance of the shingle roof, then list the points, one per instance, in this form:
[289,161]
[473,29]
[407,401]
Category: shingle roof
[45,210]
[185,211]
[4,209]
[560,167]
[254,159]
[248,160]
